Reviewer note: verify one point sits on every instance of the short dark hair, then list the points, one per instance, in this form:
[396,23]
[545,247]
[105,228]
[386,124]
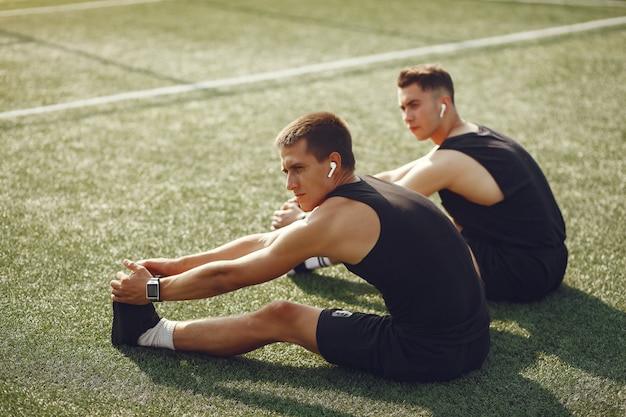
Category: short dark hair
[428,77]
[324,132]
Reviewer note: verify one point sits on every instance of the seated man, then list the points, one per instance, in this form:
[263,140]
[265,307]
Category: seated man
[437,326]
[495,192]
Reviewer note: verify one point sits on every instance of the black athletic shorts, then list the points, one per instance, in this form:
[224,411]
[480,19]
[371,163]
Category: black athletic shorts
[373,343]
[518,274]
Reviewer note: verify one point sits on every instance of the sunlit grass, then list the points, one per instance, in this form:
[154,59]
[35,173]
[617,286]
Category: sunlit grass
[80,190]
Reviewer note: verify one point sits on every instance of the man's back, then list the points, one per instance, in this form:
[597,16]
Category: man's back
[520,241]
[528,215]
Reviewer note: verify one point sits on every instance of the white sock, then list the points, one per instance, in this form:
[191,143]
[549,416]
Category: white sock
[160,336]
[317,262]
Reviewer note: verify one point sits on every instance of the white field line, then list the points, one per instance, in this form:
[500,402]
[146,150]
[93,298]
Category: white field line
[322,67]
[73,7]
[589,3]
[114,3]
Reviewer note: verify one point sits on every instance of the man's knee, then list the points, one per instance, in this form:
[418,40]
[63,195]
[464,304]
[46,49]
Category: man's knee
[291,322]
[280,311]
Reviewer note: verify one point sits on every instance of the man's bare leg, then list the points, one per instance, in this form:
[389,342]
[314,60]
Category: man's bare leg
[279,321]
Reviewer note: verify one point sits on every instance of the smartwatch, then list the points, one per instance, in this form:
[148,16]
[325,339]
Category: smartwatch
[153,289]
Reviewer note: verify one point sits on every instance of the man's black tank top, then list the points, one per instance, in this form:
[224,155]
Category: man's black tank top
[528,216]
[420,264]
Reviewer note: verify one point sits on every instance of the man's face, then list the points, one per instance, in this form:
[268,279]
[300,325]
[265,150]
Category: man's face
[306,177]
[419,111]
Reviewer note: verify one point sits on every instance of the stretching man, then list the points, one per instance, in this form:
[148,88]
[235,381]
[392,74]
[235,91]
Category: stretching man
[437,326]
[490,186]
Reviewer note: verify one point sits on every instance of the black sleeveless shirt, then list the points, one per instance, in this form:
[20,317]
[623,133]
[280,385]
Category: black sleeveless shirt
[420,264]
[528,216]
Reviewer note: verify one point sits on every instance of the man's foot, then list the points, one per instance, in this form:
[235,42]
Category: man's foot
[310,265]
[300,269]
[131,321]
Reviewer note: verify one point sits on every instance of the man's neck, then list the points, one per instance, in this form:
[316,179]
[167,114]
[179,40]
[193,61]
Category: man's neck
[462,127]
[458,127]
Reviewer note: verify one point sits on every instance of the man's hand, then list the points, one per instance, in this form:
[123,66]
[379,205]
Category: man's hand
[131,288]
[288,213]
[161,266]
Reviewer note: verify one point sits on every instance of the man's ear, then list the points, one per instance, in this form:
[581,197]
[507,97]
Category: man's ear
[335,160]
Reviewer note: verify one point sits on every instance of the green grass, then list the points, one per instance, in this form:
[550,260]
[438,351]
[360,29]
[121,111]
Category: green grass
[82,189]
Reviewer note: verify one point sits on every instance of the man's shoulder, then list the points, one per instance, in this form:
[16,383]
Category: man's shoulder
[337,205]
[480,138]
[342,229]
[448,160]
[338,213]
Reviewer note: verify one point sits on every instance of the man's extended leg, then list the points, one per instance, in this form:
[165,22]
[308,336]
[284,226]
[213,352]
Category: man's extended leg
[279,321]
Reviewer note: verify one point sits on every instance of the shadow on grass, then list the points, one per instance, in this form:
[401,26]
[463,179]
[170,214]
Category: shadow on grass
[359,293]
[581,330]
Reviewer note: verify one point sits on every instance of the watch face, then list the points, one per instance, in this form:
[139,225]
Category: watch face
[152,290]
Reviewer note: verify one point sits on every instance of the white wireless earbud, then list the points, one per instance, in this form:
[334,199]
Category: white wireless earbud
[443,110]
[333,167]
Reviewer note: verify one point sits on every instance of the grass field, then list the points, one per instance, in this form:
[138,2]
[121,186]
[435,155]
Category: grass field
[83,186]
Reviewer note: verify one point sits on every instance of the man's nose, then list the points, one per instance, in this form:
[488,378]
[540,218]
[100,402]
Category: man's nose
[291,182]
